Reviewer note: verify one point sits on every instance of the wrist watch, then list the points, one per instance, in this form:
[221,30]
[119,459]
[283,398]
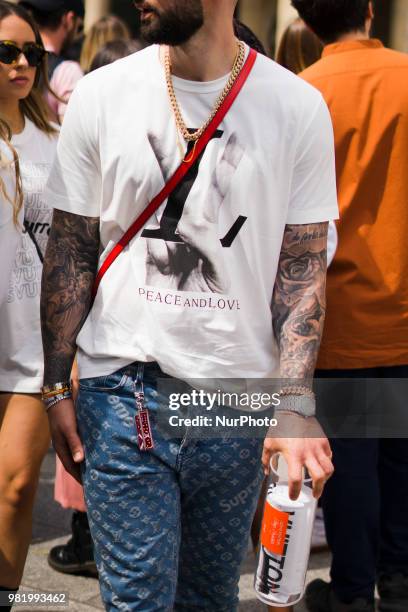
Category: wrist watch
[302,405]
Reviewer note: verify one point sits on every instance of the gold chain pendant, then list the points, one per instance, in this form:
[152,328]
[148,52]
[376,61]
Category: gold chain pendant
[180,123]
[191,156]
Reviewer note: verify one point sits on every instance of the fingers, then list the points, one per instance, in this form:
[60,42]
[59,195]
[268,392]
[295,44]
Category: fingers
[289,449]
[266,458]
[314,454]
[320,469]
[164,161]
[326,448]
[233,153]
[65,437]
[295,473]
[271,447]
[225,170]
[326,464]
[158,253]
[317,475]
[75,446]
[64,453]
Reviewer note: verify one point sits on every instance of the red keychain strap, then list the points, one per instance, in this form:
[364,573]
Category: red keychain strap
[180,172]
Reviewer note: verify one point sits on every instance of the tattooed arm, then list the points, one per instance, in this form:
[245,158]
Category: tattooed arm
[298,311]
[69,271]
[299,301]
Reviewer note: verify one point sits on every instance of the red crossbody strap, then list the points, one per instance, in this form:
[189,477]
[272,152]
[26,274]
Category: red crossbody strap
[180,172]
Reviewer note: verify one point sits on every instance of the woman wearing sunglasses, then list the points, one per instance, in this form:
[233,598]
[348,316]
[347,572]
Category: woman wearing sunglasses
[28,141]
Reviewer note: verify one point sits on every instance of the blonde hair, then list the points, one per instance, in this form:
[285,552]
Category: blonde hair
[299,47]
[34,107]
[5,136]
[105,30]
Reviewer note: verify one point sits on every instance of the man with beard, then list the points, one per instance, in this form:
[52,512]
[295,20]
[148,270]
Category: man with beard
[59,22]
[244,231]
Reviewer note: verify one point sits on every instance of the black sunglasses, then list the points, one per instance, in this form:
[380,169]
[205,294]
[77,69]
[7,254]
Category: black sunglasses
[9,53]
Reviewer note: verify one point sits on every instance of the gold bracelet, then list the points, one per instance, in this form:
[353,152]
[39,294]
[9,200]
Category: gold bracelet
[51,390]
[54,393]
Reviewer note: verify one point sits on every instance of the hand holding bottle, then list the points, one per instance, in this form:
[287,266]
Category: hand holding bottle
[303,443]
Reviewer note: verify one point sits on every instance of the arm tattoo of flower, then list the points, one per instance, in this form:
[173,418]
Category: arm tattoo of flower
[299,300]
[69,272]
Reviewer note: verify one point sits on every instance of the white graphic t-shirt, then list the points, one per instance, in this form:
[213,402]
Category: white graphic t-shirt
[21,355]
[10,232]
[193,290]
[9,241]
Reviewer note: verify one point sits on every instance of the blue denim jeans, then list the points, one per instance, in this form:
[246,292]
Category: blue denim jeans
[170,526]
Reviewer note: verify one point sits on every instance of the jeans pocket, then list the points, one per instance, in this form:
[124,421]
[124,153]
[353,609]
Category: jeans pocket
[111,382]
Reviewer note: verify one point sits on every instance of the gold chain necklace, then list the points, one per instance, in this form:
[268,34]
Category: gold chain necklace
[180,123]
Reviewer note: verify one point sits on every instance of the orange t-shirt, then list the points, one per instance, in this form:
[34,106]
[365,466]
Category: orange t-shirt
[366,89]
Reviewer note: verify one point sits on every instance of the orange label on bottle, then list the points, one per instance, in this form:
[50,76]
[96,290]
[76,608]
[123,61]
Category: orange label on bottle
[274,527]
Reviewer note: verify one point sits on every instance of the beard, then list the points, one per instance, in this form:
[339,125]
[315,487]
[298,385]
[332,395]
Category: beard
[173,26]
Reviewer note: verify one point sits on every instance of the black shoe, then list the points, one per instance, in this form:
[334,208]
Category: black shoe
[320,598]
[393,591]
[76,556]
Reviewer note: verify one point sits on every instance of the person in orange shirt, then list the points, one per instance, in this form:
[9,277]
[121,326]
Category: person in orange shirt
[366,334]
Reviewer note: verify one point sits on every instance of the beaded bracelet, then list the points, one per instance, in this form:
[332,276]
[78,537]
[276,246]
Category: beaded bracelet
[52,394]
[49,402]
[52,390]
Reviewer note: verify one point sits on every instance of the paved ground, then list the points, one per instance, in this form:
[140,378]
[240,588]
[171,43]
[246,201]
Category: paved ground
[51,526]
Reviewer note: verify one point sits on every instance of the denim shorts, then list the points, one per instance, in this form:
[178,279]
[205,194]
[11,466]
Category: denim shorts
[170,526]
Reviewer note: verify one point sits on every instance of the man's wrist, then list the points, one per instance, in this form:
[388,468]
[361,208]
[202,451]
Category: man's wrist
[50,403]
[53,394]
[301,404]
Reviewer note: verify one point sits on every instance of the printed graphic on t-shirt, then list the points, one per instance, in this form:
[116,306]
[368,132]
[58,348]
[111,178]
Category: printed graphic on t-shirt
[185,253]
[25,281]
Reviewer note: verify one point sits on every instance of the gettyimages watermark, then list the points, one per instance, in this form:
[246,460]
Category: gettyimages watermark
[345,408]
[230,408]
[210,401]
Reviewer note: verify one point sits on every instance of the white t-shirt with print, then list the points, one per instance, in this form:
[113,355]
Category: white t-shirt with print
[10,232]
[9,241]
[193,290]
[21,355]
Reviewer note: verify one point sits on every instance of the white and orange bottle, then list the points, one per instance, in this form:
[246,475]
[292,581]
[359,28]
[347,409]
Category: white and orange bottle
[286,536]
